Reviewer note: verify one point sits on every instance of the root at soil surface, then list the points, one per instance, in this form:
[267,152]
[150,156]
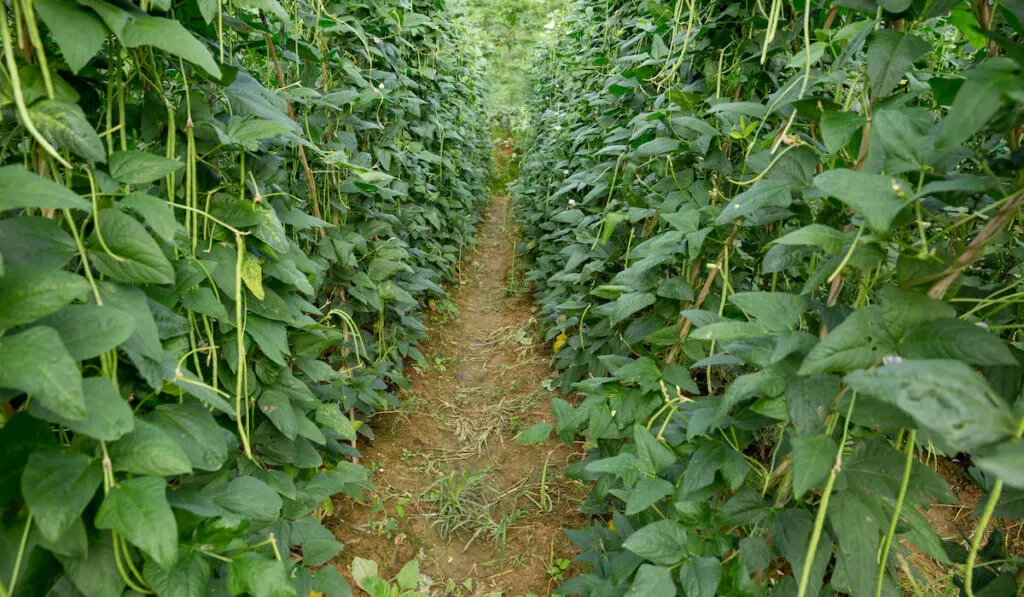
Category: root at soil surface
[482,513]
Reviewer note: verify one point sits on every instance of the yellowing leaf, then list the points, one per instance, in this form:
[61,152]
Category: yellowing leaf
[560,341]
[252,275]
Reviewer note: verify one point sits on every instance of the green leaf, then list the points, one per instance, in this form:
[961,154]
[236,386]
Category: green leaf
[978,100]
[728,331]
[656,147]
[137,509]
[90,330]
[363,569]
[890,55]
[64,125]
[649,491]
[107,416]
[857,525]
[536,434]
[57,486]
[700,576]
[813,458]
[838,127]
[36,362]
[20,188]
[778,311]
[258,575]
[196,431]
[653,581]
[810,400]
[956,339]
[278,408]
[877,197]
[157,214]
[171,37]
[825,238]
[329,581]
[134,256]
[857,343]
[95,575]
[251,498]
[270,336]
[318,544]
[189,576]
[630,303]
[946,397]
[643,371]
[149,450]
[763,195]
[409,575]
[35,241]
[903,310]
[140,167]
[662,542]
[1005,461]
[28,293]
[79,33]
[330,416]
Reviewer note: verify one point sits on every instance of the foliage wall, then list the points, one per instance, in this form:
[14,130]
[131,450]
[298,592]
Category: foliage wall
[776,247]
[218,220]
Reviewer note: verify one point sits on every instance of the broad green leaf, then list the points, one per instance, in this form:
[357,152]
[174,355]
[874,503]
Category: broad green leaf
[778,311]
[145,339]
[877,197]
[813,458]
[903,310]
[857,343]
[95,575]
[728,331]
[90,330]
[278,408]
[57,486]
[188,577]
[259,576]
[330,416]
[64,124]
[19,437]
[35,241]
[409,575]
[28,293]
[536,434]
[203,300]
[956,339]
[134,256]
[810,399]
[270,336]
[630,303]
[649,491]
[857,525]
[78,32]
[946,397]
[251,498]
[137,509]
[36,362]
[318,544]
[979,99]
[700,577]
[1005,461]
[171,37]
[107,416]
[764,194]
[140,167]
[157,214]
[653,581]
[196,431]
[643,371]
[329,581]
[149,450]
[890,55]
[837,128]
[662,542]
[824,237]
[20,188]
[363,569]
[656,147]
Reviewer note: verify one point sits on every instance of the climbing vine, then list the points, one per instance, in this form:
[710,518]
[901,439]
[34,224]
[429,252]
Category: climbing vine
[776,246]
[218,221]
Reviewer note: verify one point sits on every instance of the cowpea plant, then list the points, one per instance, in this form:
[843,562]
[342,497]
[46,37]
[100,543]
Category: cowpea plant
[218,220]
[776,246]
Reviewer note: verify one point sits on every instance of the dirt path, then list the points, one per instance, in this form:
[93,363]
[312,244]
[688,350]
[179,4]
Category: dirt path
[481,512]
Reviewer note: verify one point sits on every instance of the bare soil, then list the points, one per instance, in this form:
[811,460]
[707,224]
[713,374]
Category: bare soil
[482,513]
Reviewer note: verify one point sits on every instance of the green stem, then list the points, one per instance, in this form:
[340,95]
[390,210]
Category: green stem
[904,483]
[21,552]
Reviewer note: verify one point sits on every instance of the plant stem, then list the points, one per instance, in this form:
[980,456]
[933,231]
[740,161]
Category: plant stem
[904,483]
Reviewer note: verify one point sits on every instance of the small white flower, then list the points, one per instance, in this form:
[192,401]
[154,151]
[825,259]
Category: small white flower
[557,128]
[381,86]
[376,39]
[572,203]
[982,324]
[892,359]
[565,173]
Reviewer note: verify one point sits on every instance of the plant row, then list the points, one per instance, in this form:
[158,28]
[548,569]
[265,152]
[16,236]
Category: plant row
[776,247]
[218,222]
